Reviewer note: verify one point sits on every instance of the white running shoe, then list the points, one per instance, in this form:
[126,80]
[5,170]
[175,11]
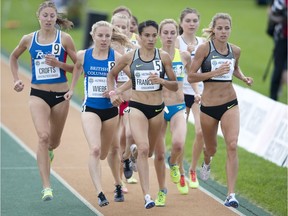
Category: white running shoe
[132,180]
[149,203]
[231,201]
[133,158]
[205,172]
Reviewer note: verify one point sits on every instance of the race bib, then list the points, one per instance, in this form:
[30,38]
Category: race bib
[178,70]
[96,86]
[122,77]
[141,80]
[44,71]
[56,49]
[216,63]
[111,64]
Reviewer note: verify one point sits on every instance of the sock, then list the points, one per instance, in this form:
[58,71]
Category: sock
[164,190]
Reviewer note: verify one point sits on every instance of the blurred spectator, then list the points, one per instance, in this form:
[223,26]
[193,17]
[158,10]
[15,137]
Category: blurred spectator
[262,2]
[61,6]
[75,10]
[278,15]
[134,25]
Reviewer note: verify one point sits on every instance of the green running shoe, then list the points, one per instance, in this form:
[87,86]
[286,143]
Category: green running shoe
[51,155]
[193,180]
[161,199]
[182,186]
[47,194]
[174,172]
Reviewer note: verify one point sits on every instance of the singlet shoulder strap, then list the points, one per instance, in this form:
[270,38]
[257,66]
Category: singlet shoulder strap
[157,53]
[230,47]
[177,55]
[58,36]
[34,37]
[111,53]
[212,48]
[89,51]
[136,54]
[182,40]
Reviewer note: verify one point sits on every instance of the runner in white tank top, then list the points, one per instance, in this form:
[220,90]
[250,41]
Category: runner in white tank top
[189,23]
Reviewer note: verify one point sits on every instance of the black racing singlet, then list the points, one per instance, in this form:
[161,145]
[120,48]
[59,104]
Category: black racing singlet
[141,70]
[214,60]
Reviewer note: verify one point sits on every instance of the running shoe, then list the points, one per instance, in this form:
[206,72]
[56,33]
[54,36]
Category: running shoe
[127,168]
[205,171]
[51,155]
[47,194]
[182,185]
[118,194]
[193,181]
[134,154]
[161,199]
[132,180]
[124,187]
[174,172]
[102,201]
[149,203]
[231,201]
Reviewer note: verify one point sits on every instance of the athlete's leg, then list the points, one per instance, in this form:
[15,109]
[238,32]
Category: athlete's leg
[198,141]
[40,112]
[230,125]
[92,126]
[139,129]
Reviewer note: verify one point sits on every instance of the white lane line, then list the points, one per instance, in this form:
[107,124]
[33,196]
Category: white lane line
[58,177]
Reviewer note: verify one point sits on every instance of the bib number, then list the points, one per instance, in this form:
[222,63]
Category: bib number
[56,49]
[96,86]
[44,71]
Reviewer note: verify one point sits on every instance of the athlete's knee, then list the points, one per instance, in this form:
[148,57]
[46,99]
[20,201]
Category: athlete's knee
[54,143]
[159,156]
[232,146]
[178,146]
[211,151]
[44,138]
[199,134]
[143,151]
[103,156]
[95,151]
[129,136]
[115,149]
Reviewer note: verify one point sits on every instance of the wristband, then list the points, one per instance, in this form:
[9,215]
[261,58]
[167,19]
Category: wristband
[111,93]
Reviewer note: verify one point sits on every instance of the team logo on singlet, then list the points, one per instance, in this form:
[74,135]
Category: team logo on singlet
[39,54]
[90,80]
[214,63]
[137,74]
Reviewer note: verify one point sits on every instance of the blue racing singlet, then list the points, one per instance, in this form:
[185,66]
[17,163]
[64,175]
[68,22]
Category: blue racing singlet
[95,81]
[41,72]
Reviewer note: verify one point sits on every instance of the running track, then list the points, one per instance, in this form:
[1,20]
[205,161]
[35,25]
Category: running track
[70,165]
